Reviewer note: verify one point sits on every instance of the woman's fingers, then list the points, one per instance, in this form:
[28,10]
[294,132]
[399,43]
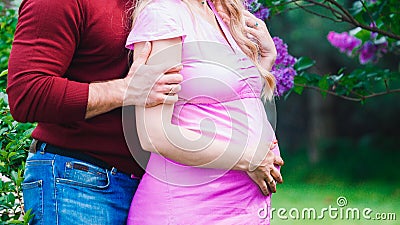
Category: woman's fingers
[276,175]
[271,183]
[259,180]
[253,32]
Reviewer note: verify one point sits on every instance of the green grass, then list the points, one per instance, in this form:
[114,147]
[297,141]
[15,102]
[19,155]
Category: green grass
[378,196]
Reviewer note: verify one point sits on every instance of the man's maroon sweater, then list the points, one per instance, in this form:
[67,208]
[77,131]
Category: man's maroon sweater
[59,48]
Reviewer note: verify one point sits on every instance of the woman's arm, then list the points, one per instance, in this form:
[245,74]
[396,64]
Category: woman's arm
[158,134]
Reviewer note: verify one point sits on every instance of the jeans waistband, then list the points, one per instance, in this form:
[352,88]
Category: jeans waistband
[36,145]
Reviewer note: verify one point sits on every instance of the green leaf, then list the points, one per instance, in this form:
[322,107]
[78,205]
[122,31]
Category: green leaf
[298,89]
[299,81]
[363,35]
[4,73]
[14,176]
[11,198]
[303,63]
[323,84]
[15,221]
[28,216]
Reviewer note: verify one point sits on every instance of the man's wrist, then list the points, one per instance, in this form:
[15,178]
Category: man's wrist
[105,96]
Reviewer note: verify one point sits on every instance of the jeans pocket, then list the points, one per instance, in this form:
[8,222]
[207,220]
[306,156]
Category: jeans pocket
[33,199]
[85,175]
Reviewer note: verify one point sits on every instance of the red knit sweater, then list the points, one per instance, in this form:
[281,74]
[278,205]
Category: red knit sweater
[59,48]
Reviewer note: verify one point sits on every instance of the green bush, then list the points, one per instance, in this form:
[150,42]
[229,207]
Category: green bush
[14,136]
[14,141]
[8,21]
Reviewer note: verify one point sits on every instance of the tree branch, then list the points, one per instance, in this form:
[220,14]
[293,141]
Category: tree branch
[355,99]
[346,16]
[315,13]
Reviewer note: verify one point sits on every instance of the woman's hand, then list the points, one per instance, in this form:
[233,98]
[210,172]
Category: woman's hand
[257,30]
[266,175]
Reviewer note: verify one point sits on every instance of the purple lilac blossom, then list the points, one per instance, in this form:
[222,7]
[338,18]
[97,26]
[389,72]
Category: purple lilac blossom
[368,52]
[371,52]
[258,9]
[344,41]
[262,13]
[283,68]
[284,80]
[373,49]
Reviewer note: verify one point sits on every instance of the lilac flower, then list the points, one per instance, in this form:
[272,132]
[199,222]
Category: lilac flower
[258,9]
[284,80]
[283,68]
[345,42]
[283,59]
[371,52]
[262,13]
[367,52]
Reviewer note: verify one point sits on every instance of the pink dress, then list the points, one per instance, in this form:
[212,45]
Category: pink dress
[221,97]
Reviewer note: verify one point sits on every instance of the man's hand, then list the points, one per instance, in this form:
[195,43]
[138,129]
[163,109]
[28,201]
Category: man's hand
[266,174]
[144,85]
[151,85]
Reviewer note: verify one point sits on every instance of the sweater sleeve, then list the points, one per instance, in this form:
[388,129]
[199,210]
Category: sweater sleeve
[38,88]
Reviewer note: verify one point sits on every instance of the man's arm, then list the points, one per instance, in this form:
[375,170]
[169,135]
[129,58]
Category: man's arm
[45,39]
[143,86]
[46,36]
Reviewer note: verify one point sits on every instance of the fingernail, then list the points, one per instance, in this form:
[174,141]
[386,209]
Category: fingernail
[275,142]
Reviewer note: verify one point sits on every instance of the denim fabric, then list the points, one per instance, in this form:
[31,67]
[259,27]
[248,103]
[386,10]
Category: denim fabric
[63,190]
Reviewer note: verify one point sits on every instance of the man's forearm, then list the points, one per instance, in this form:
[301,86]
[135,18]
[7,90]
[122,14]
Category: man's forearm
[104,97]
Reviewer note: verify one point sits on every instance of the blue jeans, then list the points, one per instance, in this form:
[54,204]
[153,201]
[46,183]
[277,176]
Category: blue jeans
[63,190]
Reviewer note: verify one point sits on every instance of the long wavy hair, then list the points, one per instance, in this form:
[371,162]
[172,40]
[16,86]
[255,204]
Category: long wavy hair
[234,9]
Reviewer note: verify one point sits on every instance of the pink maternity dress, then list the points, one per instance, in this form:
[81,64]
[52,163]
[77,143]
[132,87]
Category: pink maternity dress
[220,98]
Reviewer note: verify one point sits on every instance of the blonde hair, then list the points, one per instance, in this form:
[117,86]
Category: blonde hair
[234,9]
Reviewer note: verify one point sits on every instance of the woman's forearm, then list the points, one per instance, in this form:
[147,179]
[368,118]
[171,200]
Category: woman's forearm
[157,134]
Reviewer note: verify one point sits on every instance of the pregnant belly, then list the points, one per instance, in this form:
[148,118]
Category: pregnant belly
[240,122]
